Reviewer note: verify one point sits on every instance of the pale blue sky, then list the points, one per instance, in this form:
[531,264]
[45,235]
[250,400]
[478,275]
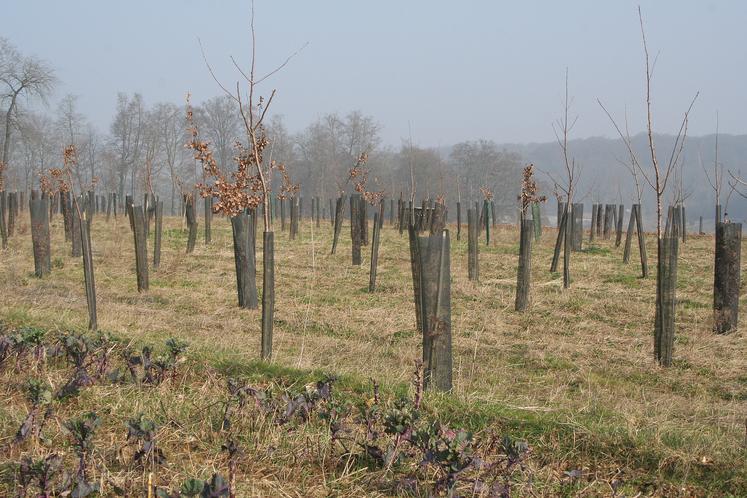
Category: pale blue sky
[454,70]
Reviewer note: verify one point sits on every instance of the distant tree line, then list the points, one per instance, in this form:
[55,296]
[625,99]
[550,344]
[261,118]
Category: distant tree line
[144,147]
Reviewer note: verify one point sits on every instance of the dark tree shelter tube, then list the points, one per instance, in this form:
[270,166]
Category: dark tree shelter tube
[268,293]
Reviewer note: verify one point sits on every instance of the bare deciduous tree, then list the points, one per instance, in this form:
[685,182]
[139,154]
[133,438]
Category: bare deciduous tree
[565,188]
[167,124]
[656,175]
[21,77]
[482,163]
[126,136]
[716,182]
[70,126]
[220,124]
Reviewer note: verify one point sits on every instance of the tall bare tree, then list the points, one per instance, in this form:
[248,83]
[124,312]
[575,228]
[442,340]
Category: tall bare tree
[20,77]
[91,147]
[717,180]
[71,127]
[481,163]
[565,188]
[167,119]
[126,137]
[220,124]
[331,144]
[38,146]
[656,174]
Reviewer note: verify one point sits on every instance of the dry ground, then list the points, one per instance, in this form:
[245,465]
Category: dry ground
[575,374]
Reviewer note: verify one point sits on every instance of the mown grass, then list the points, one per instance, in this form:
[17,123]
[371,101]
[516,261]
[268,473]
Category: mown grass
[575,375]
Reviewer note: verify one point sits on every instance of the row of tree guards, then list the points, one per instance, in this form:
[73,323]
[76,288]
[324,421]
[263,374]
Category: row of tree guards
[602,223]
[430,252]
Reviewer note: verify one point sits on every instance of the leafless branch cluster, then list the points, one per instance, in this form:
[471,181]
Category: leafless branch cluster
[658,174]
[736,181]
[562,128]
[717,181]
[631,164]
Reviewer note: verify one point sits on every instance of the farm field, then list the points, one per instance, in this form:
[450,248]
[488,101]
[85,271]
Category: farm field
[574,376]
[231,266]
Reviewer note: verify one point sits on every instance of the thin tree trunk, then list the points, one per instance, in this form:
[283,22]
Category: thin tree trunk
[3,227]
[567,248]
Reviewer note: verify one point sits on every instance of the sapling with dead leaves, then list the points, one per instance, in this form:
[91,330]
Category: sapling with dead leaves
[249,185]
[61,181]
[528,197]
[247,188]
[358,176]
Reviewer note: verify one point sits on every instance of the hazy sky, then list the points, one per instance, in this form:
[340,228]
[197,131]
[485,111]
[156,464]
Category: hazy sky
[454,70]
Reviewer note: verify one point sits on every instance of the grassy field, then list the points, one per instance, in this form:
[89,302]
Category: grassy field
[574,376]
